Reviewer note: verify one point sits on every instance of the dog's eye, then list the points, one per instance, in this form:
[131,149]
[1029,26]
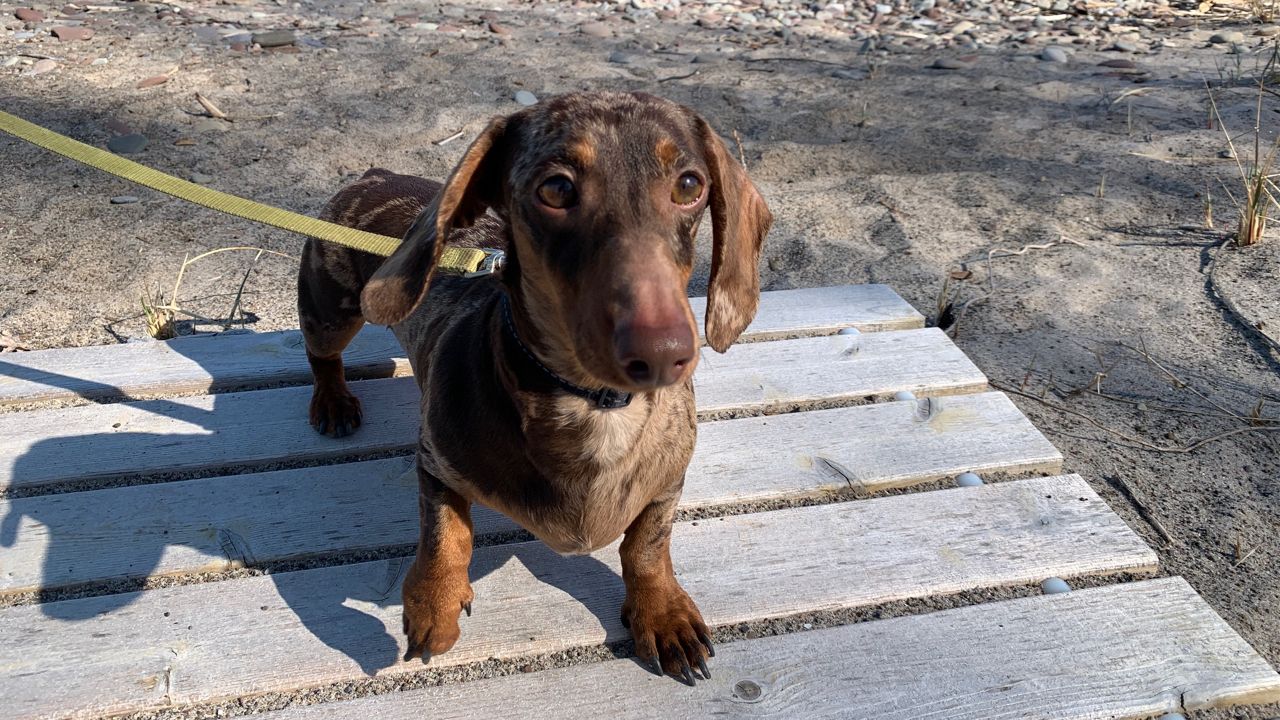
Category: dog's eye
[558,192]
[688,190]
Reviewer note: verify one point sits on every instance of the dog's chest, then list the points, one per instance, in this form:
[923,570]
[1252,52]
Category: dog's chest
[590,472]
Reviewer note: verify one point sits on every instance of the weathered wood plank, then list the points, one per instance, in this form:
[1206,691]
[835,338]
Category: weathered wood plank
[230,362]
[223,522]
[199,643]
[248,428]
[1125,651]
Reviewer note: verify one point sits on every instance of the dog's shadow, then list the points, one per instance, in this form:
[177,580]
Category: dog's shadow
[132,545]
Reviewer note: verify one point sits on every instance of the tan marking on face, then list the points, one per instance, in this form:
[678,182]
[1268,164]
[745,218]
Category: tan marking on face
[583,152]
[667,152]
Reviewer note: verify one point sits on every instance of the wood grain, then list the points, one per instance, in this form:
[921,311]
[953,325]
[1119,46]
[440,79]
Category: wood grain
[117,653]
[239,361]
[256,427]
[218,523]
[1125,651]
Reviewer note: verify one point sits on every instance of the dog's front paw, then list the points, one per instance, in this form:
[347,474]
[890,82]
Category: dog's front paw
[668,628]
[335,411]
[432,604]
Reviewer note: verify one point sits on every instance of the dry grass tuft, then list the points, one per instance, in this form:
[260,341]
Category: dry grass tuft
[161,315]
[1257,199]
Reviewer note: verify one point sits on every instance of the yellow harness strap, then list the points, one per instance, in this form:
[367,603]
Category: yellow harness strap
[467,261]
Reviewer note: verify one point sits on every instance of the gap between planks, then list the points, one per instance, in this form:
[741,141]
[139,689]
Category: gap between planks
[247,360]
[204,643]
[1125,651]
[207,433]
[220,523]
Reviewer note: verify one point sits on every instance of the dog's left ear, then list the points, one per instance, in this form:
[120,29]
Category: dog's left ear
[400,283]
[739,222]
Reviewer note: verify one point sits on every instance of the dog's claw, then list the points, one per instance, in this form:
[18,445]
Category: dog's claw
[467,607]
[706,642]
[702,666]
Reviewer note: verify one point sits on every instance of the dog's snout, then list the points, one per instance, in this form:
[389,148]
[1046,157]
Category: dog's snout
[655,355]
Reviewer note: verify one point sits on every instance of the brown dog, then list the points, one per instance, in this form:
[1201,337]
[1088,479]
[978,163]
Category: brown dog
[559,390]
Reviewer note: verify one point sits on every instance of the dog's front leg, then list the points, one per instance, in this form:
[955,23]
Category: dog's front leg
[437,589]
[664,621]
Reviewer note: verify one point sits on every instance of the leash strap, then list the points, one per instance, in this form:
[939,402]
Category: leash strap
[465,261]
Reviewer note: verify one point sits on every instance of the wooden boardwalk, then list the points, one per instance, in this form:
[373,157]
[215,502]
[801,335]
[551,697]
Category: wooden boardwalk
[137,481]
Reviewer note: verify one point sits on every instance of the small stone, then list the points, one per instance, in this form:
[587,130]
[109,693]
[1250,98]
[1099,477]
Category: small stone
[903,395]
[1221,38]
[1055,54]
[498,29]
[275,38]
[1055,586]
[1266,31]
[1226,154]
[1119,63]
[524,97]
[30,15]
[968,480]
[124,199]
[948,64]
[1126,46]
[596,30]
[184,141]
[41,67]
[961,27]
[200,178]
[153,81]
[620,58]
[849,331]
[849,74]
[238,37]
[1172,716]
[127,144]
[72,34]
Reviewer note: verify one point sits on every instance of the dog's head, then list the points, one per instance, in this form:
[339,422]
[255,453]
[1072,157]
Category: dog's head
[603,193]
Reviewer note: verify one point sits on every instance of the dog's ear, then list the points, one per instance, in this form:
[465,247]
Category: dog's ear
[400,283]
[739,221]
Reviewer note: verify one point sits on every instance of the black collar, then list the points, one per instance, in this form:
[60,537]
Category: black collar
[604,398]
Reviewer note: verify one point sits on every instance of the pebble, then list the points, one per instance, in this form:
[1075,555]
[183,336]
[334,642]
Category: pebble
[596,30]
[948,64]
[962,27]
[41,67]
[124,199]
[1120,63]
[275,38]
[24,35]
[30,15]
[1055,54]
[1266,31]
[1172,716]
[1220,38]
[200,178]
[1055,586]
[1126,46]
[849,331]
[524,97]
[620,58]
[902,395]
[71,34]
[153,81]
[127,144]
[968,479]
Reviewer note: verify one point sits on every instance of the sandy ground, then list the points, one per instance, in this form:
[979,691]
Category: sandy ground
[892,173]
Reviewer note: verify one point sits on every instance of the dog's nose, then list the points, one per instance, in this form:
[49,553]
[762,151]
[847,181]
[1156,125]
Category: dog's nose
[655,356]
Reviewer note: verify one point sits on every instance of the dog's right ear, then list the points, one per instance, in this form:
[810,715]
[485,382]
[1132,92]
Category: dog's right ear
[475,184]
